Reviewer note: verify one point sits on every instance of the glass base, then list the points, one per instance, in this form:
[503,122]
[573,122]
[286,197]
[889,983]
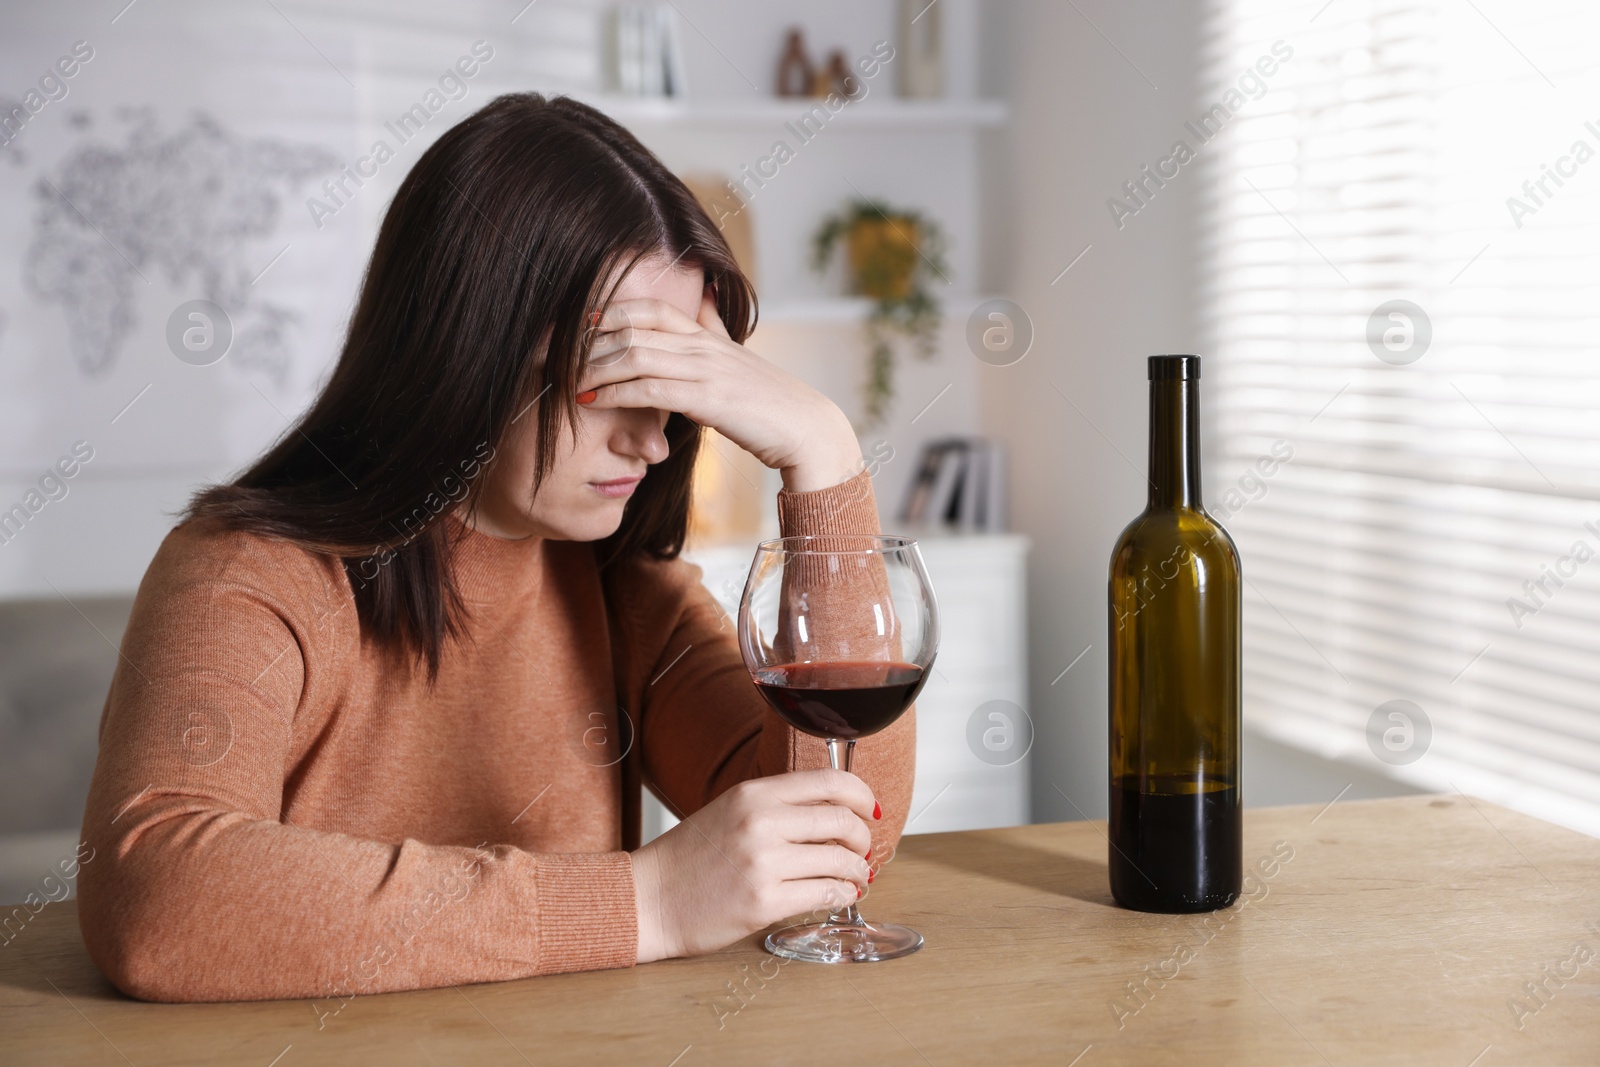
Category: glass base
[833,942]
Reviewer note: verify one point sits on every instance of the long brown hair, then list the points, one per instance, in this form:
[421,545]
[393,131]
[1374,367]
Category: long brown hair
[473,313]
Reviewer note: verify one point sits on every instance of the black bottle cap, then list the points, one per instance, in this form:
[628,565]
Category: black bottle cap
[1174,368]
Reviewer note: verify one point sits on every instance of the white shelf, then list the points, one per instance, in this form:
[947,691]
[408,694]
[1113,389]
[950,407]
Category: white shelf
[818,309]
[845,309]
[876,114]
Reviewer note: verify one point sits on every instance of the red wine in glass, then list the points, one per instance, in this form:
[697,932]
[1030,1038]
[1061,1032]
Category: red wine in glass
[839,632]
[843,699]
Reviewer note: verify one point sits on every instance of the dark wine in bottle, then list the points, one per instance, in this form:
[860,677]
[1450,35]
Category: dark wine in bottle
[1175,818]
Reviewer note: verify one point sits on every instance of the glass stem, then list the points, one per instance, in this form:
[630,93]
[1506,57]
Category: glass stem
[849,916]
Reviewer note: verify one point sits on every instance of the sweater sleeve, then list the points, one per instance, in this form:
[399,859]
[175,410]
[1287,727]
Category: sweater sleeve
[703,725]
[198,890]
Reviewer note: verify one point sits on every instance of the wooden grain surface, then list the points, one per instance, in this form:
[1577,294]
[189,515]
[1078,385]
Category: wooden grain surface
[1415,930]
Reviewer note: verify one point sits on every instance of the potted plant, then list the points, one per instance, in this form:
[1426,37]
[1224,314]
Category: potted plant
[890,253]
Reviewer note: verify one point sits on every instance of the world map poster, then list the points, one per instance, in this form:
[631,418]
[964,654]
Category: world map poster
[190,193]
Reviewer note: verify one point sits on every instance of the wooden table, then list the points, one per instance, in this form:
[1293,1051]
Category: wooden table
[1402,931]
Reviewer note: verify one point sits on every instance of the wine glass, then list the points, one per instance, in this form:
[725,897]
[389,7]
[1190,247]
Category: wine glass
[839,632]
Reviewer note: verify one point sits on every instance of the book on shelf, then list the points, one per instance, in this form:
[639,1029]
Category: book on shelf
[960,482]
[644,51]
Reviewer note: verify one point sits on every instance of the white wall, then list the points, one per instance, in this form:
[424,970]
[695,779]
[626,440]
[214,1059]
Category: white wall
[159,427]
[1085,117]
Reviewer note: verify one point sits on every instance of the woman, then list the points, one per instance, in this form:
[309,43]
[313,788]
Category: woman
[386,701]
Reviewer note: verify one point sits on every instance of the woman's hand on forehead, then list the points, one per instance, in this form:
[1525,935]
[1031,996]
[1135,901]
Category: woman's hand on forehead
[648,353]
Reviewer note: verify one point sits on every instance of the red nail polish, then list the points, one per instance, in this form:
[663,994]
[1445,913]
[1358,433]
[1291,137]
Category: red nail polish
[594,320]
[587,396]
[868,855]
[877,810]
[871,875]
[858,892]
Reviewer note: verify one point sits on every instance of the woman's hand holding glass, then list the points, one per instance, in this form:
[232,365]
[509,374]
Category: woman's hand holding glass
[764,850]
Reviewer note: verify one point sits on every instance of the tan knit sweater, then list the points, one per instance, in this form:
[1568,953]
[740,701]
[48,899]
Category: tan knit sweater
[275,814]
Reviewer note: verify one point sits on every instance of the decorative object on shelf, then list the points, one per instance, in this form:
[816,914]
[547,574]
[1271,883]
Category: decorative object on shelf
[921,58]
[890,253]
[643,51]
[730,497]
[730,493]
[836,78]
[960,481]
[796,74]
[731,214]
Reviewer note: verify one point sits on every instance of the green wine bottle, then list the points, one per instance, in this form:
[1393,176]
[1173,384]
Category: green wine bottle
[1176,819]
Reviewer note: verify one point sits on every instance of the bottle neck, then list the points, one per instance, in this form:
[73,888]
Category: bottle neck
[1174,444]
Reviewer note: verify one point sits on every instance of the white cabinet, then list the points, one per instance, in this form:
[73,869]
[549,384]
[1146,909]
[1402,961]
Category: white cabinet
[974,774]
[978,581]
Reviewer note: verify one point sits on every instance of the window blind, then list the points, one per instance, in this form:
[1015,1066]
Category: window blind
[1433,535]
